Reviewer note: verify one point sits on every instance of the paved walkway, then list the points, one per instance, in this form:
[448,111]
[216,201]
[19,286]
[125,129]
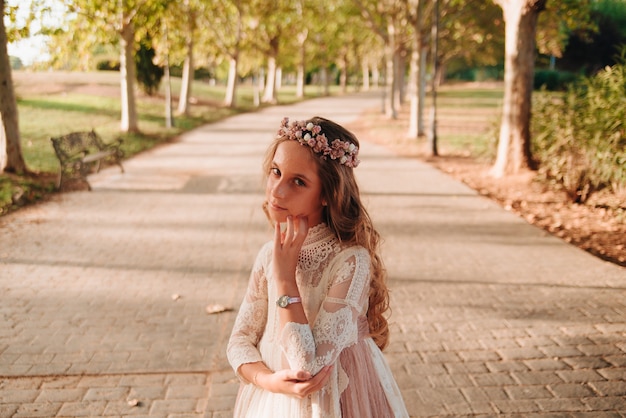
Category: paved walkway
[104,293]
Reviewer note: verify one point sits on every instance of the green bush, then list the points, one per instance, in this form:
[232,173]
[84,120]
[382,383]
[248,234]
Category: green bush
[579,137]
[553,80]
[108,65]
[149,75]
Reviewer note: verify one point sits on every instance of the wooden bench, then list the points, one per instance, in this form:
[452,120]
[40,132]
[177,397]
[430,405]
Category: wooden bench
[80,153]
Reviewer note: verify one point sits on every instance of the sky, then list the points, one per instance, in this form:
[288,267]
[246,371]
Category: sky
[32,49]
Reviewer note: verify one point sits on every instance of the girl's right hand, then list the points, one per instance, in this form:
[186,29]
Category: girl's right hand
[293,382]
[287,247]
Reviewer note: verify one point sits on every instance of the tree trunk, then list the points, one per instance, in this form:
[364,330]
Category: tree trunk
[300,81]
[11,159]
[187,80]
[400,66]
[416,129]
[343,72]
[279,79]
[3,147]
[231,88]
[300,78]
[269,96]
[390,101]
[520,18]
[127,79]
[432,133]
[365,70]
[325,81]
[169,120]
[376,75]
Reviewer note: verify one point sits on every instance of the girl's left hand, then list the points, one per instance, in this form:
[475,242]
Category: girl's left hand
[287,248]
[295,383]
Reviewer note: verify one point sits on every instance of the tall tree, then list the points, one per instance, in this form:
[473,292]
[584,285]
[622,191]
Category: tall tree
[11,159]
[93,22]
[189,18]
[229,31]
[386,20]
[521,29]
[520,17]
[416,74]
[272,23]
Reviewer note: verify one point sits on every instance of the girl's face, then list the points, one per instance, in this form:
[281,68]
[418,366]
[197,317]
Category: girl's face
[293,185]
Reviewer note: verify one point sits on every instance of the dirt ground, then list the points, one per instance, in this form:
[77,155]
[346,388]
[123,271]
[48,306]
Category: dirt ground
[599,226]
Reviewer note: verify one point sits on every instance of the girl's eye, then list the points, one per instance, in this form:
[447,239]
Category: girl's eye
[299,182]
[275,171]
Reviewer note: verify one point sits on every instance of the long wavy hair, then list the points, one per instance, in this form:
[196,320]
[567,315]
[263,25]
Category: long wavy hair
[347,217]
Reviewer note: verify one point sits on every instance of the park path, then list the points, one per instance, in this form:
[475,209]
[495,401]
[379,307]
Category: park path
[104,293]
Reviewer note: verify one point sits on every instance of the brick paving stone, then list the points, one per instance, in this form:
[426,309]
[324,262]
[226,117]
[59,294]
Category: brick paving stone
[18,395]
[585,375]
[8,409]
[469,367]
[59,395]
[572,405]
[547,364]
[586,362]
[528,392]
[612,388]
[521,353]
[536,377]
[571,390]
[607,403]
[107,394]
[86,408]
[617,373]
[516,406]
[172,406]
[560,351]
[506,366]
[493,379]
[43,409]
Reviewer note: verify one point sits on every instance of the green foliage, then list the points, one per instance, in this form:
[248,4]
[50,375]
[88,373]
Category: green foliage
[494,72]
[16,192]
[149,75]
[553,80]
[591,50]
[580,135]
[16,63]
[108,65]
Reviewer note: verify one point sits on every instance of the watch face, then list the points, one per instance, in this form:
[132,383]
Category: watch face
[283,301]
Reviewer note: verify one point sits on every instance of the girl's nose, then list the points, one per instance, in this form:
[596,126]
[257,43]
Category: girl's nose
[278,189]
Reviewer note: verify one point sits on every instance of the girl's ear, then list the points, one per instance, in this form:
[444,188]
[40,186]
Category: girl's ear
[324,203]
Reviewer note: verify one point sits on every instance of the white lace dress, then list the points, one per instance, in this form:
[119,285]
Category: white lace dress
[334,283]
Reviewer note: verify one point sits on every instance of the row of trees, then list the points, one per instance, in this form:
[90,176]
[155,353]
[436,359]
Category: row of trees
[265,39]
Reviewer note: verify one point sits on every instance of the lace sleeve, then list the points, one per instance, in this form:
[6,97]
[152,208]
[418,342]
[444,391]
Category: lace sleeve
[251,319]
[336,325]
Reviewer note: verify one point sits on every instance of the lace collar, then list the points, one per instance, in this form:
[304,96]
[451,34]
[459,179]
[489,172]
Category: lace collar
[317,235]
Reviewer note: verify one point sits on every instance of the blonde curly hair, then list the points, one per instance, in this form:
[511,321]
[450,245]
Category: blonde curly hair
[347,217]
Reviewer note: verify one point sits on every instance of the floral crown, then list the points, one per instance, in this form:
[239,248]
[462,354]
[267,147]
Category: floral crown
[307,133]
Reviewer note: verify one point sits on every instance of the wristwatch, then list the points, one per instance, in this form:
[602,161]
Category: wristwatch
[285,301]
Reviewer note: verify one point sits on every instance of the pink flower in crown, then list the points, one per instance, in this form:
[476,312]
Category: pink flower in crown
[310,134]
[320,143]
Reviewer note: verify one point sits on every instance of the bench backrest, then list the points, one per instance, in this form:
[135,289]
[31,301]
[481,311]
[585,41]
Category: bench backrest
[75,143]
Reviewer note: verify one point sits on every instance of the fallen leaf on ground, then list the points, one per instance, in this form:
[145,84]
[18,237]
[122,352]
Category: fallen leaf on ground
[213,309]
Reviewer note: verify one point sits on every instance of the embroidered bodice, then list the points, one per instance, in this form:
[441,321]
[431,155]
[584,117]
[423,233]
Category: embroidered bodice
[333,280]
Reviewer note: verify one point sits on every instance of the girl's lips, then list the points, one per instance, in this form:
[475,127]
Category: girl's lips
[275,207]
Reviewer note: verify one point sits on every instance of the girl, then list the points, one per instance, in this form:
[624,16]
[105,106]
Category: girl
[308,337]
